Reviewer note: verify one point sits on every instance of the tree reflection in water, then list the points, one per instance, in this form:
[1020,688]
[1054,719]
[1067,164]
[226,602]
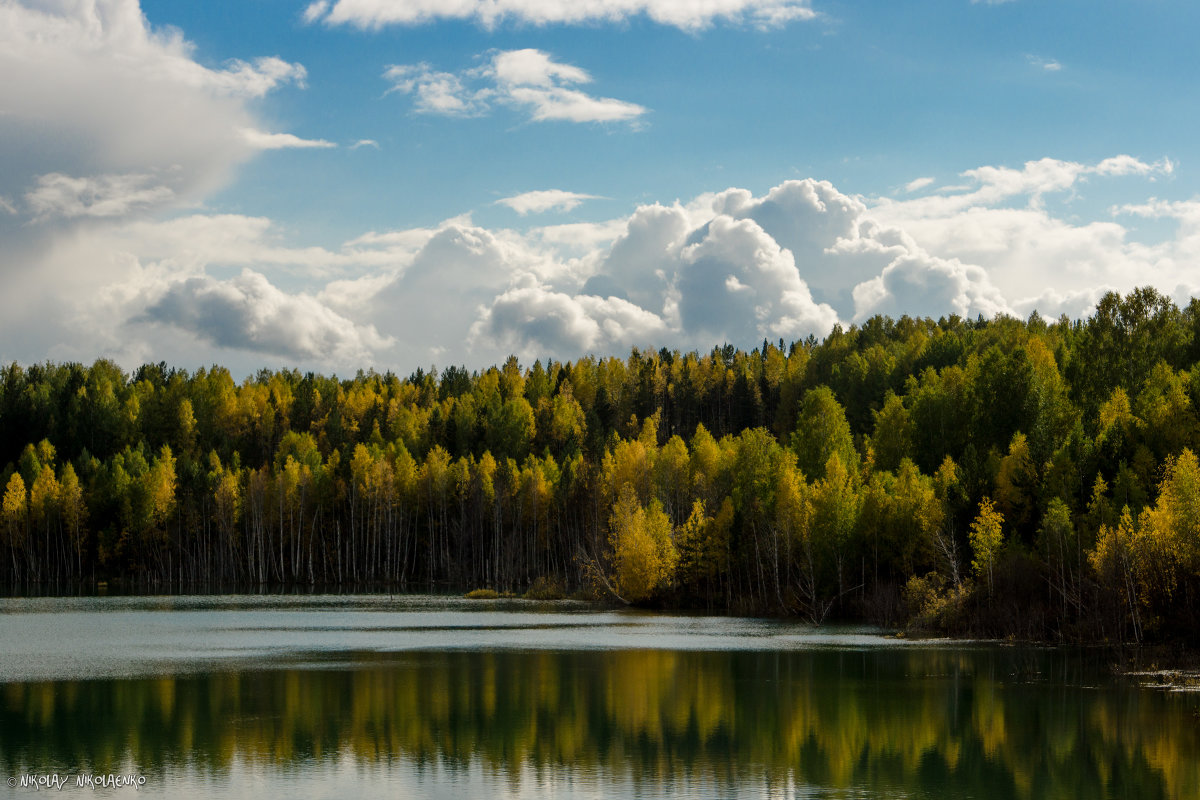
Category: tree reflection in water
[991,723]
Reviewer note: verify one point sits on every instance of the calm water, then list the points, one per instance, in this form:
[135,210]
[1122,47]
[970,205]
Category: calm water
[336,697]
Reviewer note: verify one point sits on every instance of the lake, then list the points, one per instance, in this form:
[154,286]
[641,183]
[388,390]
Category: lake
[428,697]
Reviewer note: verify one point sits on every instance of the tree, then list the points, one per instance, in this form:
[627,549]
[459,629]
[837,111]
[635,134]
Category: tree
[1058,545]
[836,507]
[15,514]
[703,545]
[1016,483]
[74,511]
[644,555]
[892,440]
[822,431]
[1113,561]
[987,536]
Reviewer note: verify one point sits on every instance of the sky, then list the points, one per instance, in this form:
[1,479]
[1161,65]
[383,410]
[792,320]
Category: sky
[393,184]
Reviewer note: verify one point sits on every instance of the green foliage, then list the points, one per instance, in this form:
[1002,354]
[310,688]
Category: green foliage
[821,432]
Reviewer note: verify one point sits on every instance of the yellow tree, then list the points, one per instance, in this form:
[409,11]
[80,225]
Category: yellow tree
[43,506]
[160,485]
[15,515]
[794,518]
[1166,545]
[987,536]
[1113,560]
[74,510]
[644,555]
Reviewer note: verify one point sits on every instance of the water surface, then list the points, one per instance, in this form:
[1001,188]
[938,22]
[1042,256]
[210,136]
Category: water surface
[304,696]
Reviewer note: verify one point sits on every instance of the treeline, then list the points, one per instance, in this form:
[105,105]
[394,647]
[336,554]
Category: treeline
[1030,477]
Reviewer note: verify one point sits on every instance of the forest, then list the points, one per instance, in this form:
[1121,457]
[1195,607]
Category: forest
[1028,478]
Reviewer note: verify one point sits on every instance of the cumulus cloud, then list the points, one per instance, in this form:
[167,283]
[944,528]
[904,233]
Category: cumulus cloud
[537,321]
[728,265]
[543,200]
[248,312]
[732,266]
[737,284]
[1052,304]
[675,275]
[687,15]
[528,79]
[922,285]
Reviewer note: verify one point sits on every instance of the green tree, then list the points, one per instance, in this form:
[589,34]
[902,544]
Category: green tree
[822,431]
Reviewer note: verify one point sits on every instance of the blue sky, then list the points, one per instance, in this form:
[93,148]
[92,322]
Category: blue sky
[382,183]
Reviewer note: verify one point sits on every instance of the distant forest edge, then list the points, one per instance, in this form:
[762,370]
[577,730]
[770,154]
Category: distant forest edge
[1000,476]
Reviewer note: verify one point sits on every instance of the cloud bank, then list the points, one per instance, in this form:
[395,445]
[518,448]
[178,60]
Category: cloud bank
[727,266]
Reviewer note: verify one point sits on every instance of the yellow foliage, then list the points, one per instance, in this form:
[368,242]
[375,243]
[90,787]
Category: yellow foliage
[15,510]
[987,535]
[644,555]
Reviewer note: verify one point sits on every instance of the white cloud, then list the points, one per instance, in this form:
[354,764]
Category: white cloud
[570,105]
[107,122]
[921,285]
[527,79]
[260,140]
[58,195]
[917,184]
[538,202]
[436,92]
[685,14]
[365,143]
[536,321]
[243,79]
[1046,64]
[730,266]
[580,236]
[249,313]
[534,68]
[1002,223]
[737,284]
[1052,304]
